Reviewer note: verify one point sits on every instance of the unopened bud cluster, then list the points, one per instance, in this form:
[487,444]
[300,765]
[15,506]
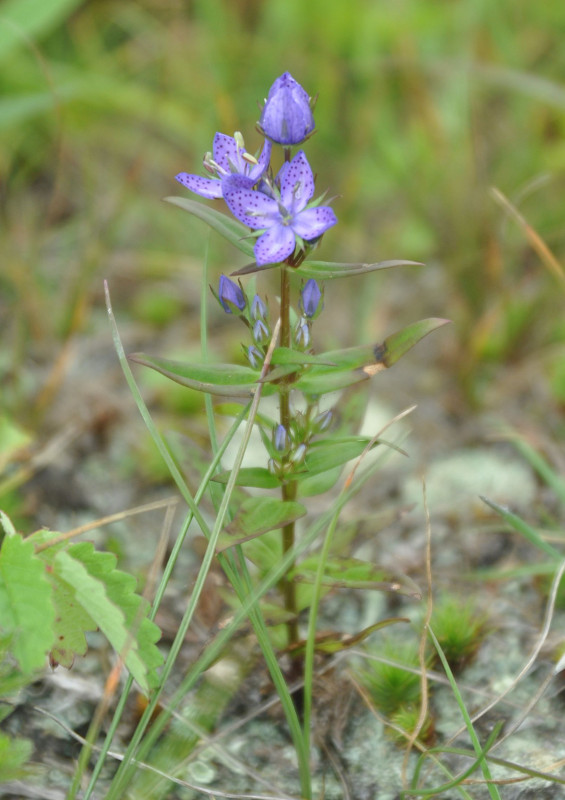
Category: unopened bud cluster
[290,446]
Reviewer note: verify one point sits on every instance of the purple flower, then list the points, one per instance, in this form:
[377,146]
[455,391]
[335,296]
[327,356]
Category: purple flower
[287,114]
[285,217]
[228,157]
[230,296]
[310,299]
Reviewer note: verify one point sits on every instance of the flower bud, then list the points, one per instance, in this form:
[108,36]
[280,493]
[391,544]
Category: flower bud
[287,114]
[297,455]
[281,439]
[254,356]
[230,296]
[323,421]
[311,295]
[258,309]
[260,332]
[302,334]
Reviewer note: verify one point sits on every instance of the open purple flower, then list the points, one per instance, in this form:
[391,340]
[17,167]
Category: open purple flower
[285,216]
[287,114]
[228,158]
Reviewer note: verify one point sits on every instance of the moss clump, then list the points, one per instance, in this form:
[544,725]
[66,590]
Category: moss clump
[459,628]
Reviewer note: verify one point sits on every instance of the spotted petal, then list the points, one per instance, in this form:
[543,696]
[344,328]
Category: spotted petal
[274,245]
[254,209]
[205,187]
[226,152]
[313,222]
[297,184]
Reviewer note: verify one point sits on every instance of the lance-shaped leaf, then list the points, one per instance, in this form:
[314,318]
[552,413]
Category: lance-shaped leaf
[353,573]
[332,642]
[256,516]
[256,477]
[27,614]
[286,355]
[355,364]
[326,454]
[327,270]
[226,380]
[226,226]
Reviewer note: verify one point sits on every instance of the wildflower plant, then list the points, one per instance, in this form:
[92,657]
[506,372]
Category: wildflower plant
[305,447]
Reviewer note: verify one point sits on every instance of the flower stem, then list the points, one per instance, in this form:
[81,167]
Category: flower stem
[288,490]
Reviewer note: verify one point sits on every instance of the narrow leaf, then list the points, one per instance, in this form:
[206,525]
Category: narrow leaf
[285,355]
[256,477]
[335,642]
[226,380]
[353,573]
[325,455]
[523,528]
[326,270]
[26,607]
[256,516]
[226,226]
[397,344]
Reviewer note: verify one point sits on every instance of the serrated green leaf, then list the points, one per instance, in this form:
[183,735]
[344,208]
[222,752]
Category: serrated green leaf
[256,516]
[256,477]
[109,598]
[26,607]
[225,380]
[327,270]
[13,755]
[226,226]
[71,623]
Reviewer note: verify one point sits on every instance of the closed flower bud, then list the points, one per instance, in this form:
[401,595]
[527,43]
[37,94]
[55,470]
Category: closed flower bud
[287,117]
[281,439]
[230,296]
[297,456]
[302,334]
[323,421]
[258,308]
[311,296]
[260,331]
[254,357]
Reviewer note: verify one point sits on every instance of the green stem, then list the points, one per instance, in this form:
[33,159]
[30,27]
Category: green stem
[288,490]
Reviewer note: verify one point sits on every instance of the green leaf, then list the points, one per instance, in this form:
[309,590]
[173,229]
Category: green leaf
[256,477]
[256,516]
[327,270]
[335,642]
[226,380]
[353,573]
[226,226]
[26,606]
[523,528]
[285,355]
[325,455]
[399,343]
[13,755]
[312,485]
[108,596]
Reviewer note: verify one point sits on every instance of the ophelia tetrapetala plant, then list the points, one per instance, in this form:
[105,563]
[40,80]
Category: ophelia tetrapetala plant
[305,449]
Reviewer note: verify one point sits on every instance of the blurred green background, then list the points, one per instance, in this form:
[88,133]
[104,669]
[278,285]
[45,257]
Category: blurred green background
[424,105]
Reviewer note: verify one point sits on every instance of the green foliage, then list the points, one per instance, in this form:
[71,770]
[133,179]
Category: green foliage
[14,753]
[394,685]
[26,610]
[257,515]
[459,629]
[408,718]
[52,593]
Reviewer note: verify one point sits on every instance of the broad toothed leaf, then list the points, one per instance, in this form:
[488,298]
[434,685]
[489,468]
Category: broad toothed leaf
[27,614]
